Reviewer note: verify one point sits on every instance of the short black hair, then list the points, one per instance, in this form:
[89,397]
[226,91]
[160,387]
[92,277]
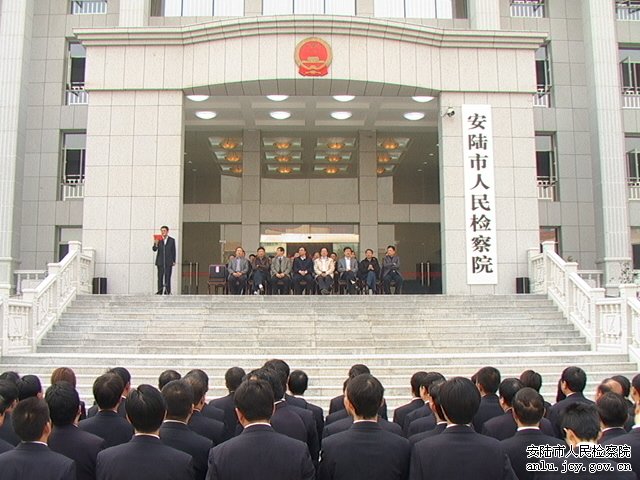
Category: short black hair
[178,397]
[427,380]
[575,378]
[489,379]
[8,394]
[166,377]
[417,380]
[145,408]
[635,382]
[64,403]
[368,250]
[434,393]
[391,247]
[583,420]
[460,400]
[254,398]
[29,418]
[11,376]
[612,409]
[164,226]
[123,373]
[358,369]
[280,249]
[528,406]
[273,377]
[197,386]
[29,386]
[260,248]
[347,248]
[298,382]
[278,364]
[365,392]
[233,378]
[107,390]
[531,379]
[202,375]
[508,389]
[624,383]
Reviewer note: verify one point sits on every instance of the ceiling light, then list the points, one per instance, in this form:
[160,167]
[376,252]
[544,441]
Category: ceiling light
[233,157]
[206,114]
[333,158]
[228,144]
[198,98]
[277,98]
[283,158]
[383,158]
[282,145]
[343,98]
[341,115]
[236,170]
[280,115]
[331,170]
[335,145]
[422,99]
[380,170]
[285,170]
[389,144]
[414,116]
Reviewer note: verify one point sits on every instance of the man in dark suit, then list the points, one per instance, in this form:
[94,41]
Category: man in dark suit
[124,374]
[9,395]
[528,410]
[400,413]
[459,452]
[346,423]
[205,426]
[259,451]
[32,459]
[632,439]
[364,451]
[166,377]
[66,438]
[144,457]
[239,269]
[207,410]
[175,433]
[302,270]
[613,413]
[232,379]
[487,381]
[5,403]
[337,403]
[298,383]
[421,419]
[533,379]
[438,416]
[165,260]
[572,383]
[107,424]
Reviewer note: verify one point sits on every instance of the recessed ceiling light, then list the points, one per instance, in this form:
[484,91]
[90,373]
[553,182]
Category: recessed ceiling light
[414,116]
[341,115]
[343,98]
[277,98]
[198,98]
[206,114]
[422,99]
[279,115]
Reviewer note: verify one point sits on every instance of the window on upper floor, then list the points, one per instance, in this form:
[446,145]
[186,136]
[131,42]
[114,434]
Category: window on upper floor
[309,7]
[81,7]
[527,8]
[628,9]
[418,9]
[73,165]
[632,148]
[198,8]
[546,167]
[542,97]
[551,234]
[630,72]
[76,62]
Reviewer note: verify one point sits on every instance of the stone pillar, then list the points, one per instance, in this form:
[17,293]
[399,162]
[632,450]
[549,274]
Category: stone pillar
[15,47]
[607,139]
[134,13]
[251,190]
[134,182]
[368,191]
[484,14]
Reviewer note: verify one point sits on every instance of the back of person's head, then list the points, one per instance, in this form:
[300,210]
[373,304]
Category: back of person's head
[64,403]
[528,406]
[559,393]
[198,387]
[233,378]
[612,410]
[278,364]
[273,378]
[417,379]
[298,382]
[614,386]
[508,389]
[460,400]
[254,399]
[575,379]
[123,373]
[624,383]
[202,375]
[280,373]
[30,418]
[8,395]
[489,379]
[358,369]
[365,393]
[583,420]
[11,376]
[63,374]
[635,383]
[29,386]
[434,393]
[145,409]
[178,397]
[166,377]
[602,389]
[425,381]
[531,379]
[107,390]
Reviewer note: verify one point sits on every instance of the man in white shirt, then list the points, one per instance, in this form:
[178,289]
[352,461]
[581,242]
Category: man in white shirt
[348,269]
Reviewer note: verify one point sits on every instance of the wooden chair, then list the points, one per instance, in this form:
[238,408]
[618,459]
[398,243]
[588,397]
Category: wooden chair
[217,279]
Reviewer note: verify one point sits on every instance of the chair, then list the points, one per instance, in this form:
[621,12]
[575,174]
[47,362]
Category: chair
[217,279]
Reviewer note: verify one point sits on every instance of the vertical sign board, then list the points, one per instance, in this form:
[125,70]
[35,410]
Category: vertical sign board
[479,197]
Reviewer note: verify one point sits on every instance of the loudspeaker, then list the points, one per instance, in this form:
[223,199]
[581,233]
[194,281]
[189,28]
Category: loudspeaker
[522,285]
[99,285]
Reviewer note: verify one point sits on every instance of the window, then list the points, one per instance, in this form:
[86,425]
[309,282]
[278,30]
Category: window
[198,8]
[527,8]
[66,235]
[630,68]
[553,234]
[309,7]
[80,7]
[542,97]
[76,93]
[628,9]
[632,147]
[547,173]
[413,8]
[73,165]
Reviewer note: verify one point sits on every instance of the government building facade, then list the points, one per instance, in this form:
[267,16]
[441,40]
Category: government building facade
[464,132]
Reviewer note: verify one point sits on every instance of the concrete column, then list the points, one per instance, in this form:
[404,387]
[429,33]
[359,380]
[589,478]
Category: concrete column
[134,13]
[484,14]
[368,191]
[251,190]
[607,139]
[15,47]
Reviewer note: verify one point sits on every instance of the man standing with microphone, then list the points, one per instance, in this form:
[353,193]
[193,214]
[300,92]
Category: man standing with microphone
[165,259]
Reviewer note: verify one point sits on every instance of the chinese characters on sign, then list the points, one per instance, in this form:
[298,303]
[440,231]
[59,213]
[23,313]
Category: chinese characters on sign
[480,202]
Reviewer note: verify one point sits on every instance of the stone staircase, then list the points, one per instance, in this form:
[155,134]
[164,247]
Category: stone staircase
[394,335]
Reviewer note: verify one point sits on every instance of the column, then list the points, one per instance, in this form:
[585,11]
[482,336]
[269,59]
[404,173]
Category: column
[607,139]
[484,14]
[251,190]
[134,13]
[368,191]
[15,46]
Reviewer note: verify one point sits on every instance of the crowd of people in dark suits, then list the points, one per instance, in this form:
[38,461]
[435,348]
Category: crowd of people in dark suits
[483,428]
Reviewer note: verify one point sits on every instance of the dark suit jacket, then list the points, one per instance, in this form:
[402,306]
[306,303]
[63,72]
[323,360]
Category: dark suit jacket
[337,404]
[633,440]
[318,415]
[6,431]
[211,411]
[230,418]
[287,422]
[609,435]
[557,410]
[422,411]
[121,409]
[437,430]
[259,452]
[460,453]
[80,446]
[312,439]
[505,426]
[178,435]
[110,426]
[5,446]
[516,448]
[489,408]
[400,413]
[207,427]
[367,452]
[144,458]
[35,461]
[423,424]
[346,423]
[166,253]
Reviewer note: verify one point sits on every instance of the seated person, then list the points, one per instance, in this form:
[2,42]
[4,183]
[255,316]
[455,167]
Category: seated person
[369,270]
[348,269]
[281,272]
[238,272]
[302,271]
[260,265]
[391,271]
[324,268]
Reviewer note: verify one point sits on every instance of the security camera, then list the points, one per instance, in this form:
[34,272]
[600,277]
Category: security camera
[309,237]
[450,112]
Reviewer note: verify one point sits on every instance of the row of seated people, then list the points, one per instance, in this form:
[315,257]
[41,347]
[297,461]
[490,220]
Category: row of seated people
[483,428]
[323,272]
